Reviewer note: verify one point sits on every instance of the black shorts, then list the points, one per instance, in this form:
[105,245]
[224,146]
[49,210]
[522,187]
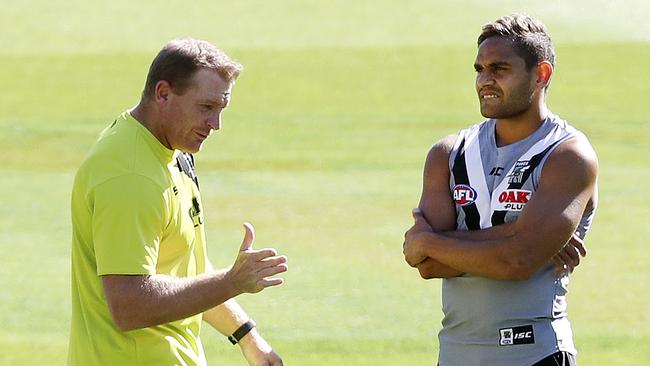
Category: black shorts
[561,358]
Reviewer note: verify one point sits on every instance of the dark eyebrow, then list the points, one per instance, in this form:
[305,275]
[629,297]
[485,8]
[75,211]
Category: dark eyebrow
[492,65]
[499,64]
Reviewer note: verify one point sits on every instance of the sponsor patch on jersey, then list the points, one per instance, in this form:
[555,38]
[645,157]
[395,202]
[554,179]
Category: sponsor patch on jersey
[518,171]
[513,200]
[516,335]
[464,195]
[195,212]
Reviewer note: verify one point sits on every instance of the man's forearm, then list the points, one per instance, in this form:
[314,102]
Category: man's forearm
[226,317]
[146,301]
[433,268]
[488,258]
[491,233]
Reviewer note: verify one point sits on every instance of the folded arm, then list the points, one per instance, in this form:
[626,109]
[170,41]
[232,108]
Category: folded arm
[516,251]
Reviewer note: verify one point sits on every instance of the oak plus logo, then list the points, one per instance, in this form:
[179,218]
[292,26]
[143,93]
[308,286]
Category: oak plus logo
[513,199]
[464,195]
[516,335]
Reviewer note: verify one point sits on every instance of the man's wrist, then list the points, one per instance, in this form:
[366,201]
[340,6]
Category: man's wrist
[423,242]
[241,332]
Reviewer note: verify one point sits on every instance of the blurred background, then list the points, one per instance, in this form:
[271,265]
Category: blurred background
[322,149]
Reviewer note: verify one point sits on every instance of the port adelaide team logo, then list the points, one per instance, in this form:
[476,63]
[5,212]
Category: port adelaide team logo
[518,171]
[464,195]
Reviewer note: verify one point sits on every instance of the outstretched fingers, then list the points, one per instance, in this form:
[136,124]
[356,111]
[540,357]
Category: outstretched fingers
[261,254]
[271,267]
[269,282]
[273,261]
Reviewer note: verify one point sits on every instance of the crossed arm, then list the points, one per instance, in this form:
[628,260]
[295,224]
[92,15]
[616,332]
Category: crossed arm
[512,251]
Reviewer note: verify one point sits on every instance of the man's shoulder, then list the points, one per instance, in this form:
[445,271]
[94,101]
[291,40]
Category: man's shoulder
[575,146]
[574,159]
[118,154]
[577,149]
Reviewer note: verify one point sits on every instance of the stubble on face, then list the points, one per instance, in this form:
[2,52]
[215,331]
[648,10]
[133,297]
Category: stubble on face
[512,103]
[504,85]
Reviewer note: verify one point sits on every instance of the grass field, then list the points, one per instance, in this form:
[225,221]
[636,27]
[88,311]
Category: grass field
[322,149]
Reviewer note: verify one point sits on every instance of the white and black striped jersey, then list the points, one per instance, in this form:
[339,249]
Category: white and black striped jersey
[497,322]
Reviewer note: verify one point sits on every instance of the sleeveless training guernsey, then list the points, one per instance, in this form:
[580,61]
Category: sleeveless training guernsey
[498,322]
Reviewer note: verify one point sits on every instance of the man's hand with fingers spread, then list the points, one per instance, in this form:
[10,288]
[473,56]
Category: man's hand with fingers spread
[253,269]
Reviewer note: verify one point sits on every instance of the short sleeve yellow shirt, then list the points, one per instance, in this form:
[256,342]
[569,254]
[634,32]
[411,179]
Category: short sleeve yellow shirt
[134,212]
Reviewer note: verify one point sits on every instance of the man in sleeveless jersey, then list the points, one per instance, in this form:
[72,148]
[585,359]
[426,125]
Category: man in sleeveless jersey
[504,208]
[141,280]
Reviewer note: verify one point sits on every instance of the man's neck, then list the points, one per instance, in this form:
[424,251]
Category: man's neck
[144,116]
[511,130]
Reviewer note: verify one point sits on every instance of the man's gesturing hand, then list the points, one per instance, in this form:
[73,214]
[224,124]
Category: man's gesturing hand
[253,269]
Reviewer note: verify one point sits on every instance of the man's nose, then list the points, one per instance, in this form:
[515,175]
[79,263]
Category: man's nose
[215,121]
[483,79]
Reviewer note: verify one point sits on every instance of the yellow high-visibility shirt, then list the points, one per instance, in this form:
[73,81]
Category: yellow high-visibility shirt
[134,212]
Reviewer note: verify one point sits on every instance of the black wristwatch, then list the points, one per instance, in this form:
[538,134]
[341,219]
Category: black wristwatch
[241,331]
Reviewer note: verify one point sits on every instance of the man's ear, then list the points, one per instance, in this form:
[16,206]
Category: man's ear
[544,73]
[162,91]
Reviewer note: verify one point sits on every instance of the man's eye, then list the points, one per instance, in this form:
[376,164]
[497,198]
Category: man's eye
[206,107]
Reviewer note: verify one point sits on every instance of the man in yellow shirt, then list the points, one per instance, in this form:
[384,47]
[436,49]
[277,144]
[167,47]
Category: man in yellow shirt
[141,279]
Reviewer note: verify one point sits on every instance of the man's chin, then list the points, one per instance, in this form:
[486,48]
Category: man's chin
[496,114]
[191,149]
[488,114]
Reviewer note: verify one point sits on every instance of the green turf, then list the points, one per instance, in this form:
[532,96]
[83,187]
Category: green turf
[322,150]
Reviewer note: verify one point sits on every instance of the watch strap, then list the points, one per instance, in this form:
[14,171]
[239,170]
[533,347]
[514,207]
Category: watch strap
[241,331]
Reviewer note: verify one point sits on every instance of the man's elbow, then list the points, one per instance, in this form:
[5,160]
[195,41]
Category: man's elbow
[128,308]
[425,273]
[125,316]
[431,269]
[121,318]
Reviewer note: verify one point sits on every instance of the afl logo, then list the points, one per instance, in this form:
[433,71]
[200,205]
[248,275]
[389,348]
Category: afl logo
[464,195]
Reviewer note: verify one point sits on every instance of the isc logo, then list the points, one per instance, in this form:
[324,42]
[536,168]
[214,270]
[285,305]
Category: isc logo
[464,195]
[523,335]
[514,199]
[516,335]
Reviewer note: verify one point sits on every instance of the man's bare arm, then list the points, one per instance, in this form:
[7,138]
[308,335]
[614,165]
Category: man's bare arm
[544,227]
[436,205]
[227,318]
[138,301]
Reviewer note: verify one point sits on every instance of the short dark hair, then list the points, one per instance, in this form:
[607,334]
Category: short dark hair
[179,60]
[529,38]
